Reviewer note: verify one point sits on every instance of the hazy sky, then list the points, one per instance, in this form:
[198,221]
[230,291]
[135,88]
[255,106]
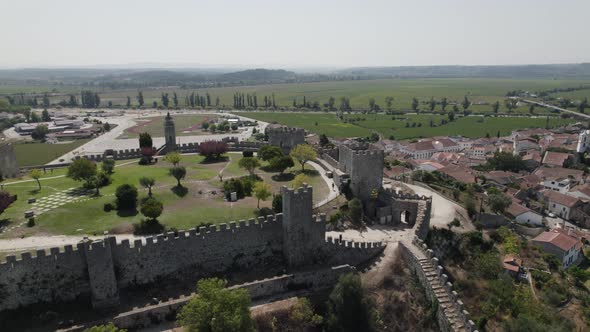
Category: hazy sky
[293,33]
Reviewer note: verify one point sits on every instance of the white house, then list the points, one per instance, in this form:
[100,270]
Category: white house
[524,215]
[561,185]
[559,204]
[566,248]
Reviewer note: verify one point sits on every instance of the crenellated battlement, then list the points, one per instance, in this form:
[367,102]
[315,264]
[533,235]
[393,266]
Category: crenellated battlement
[353,244]
[368,153]
[285,129]
[403,195]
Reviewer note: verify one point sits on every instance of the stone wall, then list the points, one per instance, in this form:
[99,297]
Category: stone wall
[8,166]
[364,166]
[286,138]
[451,313]
[100,269]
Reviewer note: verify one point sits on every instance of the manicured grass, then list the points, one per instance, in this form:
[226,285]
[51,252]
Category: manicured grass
[389,125]
[199,205]
[184,125]
[31,154]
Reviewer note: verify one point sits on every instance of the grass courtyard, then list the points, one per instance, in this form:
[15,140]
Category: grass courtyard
[32,154]
[203,202]
[395,125]
[184,125]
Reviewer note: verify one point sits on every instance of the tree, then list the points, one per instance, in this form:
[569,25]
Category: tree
[145,140]
[302,315]
[281,163]
[583,105]
[45,116]
[451,116]
[532,109]
[108,166]
[249,164]
[140,99]
[106,126]
[205,125]
[151,208]
[147,183]
[277,203]
[173,157]
[178,172]
[371,104]
[466,103]
[40,132]
[443,103]
[110,327]
[389,102]
[299,180]
[349,309]
[355,210]
[415,104]
[128,102]
[268,152]
[496,106]
[432,104]
[175,99]
[36,174]
[504,161]
[5,200]
[499,202]
[126,197]
[82,170]
[303,153]
[261,191]
[324,140]
[217,309]
[510,104]
[212,150]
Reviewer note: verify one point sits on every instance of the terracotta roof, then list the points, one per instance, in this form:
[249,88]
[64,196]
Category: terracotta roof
[584,189]
[559,172]
[512,263]
[559,198]
[558,239]
[502,177]
[555,158]
[433,164]
[533,155]
[516,209]
[459,173]
[529,181]
[396,170]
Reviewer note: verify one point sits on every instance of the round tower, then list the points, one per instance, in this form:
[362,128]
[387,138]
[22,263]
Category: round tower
[169,133]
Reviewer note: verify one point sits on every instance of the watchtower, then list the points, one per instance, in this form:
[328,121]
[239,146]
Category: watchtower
[169,133]
[365,168]
[303,235]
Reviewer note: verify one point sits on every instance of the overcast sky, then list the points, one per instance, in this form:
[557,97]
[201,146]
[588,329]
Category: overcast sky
[293,33]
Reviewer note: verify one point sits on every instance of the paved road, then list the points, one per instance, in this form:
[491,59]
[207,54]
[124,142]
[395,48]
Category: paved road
[333,193]
[109,140]
[556,107]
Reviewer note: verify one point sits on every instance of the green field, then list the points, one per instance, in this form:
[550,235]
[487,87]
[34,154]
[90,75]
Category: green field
[180,211]
[360,91]
[32,154]
[184,125]
[388,125]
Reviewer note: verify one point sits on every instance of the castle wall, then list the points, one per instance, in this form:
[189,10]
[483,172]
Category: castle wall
[52,276]
[199,252]
[8,166]
[285,137]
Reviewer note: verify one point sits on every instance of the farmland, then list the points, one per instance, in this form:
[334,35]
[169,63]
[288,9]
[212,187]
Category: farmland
[389,125]
[480,91]
[184,125]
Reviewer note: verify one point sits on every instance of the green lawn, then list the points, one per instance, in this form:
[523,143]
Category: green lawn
[388,125]
[184,125]
[31,154]
[198,206]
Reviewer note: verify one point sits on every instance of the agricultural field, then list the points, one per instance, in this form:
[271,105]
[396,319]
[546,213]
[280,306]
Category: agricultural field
[185,125]
[479,91]
[32,154]
[395,125]
[202,203]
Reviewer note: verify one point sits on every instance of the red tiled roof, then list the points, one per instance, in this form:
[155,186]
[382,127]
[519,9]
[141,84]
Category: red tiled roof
[560,198]
[558,172]
[458,173]
[555,158]
[516,209]
[584,189]
[512,263]
[558,239]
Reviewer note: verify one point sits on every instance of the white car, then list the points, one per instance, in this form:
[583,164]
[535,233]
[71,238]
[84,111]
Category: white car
[551,214]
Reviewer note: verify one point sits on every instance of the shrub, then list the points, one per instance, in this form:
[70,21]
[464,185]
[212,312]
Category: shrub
[108,207]
[277,203]
[148,226]
[31,222]
[212,150]
[144,161]
[126,197]
[151,208]
[248,154]
[263,212]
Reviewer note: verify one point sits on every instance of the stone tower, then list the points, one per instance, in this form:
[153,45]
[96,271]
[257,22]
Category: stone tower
[169,133]
[365,168]
[303,235]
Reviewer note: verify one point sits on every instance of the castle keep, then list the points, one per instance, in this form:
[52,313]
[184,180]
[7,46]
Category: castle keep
[286,138]
[99,270]
[8,166]
[169,134]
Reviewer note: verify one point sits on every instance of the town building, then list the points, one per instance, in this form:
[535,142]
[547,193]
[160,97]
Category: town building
[566,248]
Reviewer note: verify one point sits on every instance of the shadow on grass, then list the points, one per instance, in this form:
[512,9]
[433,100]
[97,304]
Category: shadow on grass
[34,191]
[179,191]
[127,213]
[215,160]
[4,222]
[148,226]
[308,172]
[285,177]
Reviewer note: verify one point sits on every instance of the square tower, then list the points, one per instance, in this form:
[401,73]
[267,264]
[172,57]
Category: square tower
[169,133]
[302,235]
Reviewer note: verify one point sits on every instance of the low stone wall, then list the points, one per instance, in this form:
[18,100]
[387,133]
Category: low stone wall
[528,231]
[451,313]
[296,283]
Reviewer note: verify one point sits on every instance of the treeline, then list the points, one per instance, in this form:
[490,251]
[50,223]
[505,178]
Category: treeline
[245,101]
